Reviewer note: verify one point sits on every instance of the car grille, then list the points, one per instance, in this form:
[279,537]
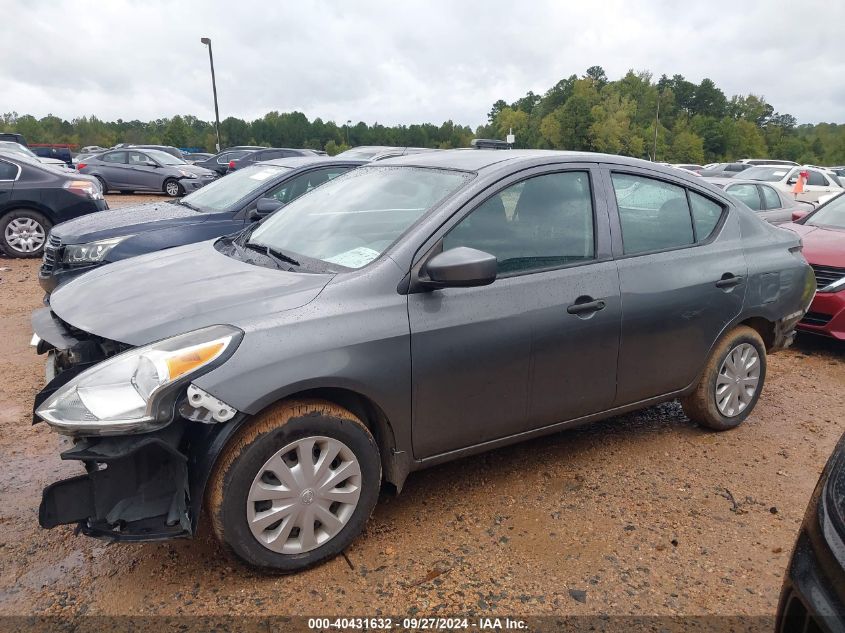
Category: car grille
[818,319]
[826,275]
[51,255]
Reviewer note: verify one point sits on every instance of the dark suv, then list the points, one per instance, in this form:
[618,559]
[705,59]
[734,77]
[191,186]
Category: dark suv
[409,312]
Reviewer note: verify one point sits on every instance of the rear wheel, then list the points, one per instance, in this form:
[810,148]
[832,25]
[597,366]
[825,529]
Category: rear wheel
[731,382]
[103,185]
[295,487]
[24,233]
[172,188]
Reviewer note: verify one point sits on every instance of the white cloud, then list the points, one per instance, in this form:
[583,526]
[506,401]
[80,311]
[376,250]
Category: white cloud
[402,62]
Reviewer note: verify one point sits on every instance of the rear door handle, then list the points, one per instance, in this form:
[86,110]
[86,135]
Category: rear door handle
[728,280]
[583,307]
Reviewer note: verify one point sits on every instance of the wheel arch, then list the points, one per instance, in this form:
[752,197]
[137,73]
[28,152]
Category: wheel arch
[27,205]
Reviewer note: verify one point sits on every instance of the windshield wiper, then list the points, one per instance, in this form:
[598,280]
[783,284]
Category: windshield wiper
[189,205]
[271,252]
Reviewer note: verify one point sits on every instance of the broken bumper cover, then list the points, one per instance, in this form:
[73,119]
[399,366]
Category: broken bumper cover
[136,488]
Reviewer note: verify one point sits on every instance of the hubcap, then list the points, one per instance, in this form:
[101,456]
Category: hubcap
[25,235]
[303,495]
[172,188]
[738,380]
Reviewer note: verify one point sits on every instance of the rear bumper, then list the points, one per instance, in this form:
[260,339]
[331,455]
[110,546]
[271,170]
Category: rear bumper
[826,315]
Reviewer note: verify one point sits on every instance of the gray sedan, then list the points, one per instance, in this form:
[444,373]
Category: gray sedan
[403,314]
[770,204]
[129,170]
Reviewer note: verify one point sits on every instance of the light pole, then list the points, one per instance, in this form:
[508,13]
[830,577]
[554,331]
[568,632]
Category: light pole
[207,42]
[348,123]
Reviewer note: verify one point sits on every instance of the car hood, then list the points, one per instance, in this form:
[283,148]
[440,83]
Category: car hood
[125,221]
[195,169]
[823,247]
[154,296]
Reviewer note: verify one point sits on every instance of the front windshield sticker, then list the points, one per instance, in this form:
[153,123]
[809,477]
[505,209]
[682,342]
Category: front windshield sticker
[780,174]
[264,174]
[356,258]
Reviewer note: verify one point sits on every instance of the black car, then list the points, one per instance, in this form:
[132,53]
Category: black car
[267,153]
[34,197]
[50,151]
[220,161]
[221,207]
[813,595]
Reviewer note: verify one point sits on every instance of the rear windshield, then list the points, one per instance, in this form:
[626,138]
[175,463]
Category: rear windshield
[830,215]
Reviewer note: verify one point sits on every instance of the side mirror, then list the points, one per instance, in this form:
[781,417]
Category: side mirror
[150,163]
[264,207]
[461,267]
[792,180]
[797,215]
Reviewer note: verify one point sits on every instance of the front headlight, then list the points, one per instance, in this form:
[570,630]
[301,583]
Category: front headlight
[90,252]
[136,391]
[187,174]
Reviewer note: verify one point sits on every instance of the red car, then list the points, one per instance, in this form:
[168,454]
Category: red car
[823,234]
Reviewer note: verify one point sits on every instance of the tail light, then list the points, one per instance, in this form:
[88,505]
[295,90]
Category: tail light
[81,165]
[231,164]
[84,188]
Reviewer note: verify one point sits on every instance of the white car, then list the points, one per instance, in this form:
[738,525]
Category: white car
[820,181]
[10,147]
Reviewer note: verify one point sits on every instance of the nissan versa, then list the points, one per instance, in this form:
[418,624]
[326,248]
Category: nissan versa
[403,314]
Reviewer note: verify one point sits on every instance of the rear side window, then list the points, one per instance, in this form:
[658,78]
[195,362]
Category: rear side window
[770,197]
[115,157]
[705,215]
[816,179]
[8,171]
[654,214]
[539,223]
[747,194]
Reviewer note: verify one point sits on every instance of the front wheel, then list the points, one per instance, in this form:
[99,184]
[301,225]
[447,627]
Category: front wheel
[295,487]
[24,233]
[731,382]
[172,188]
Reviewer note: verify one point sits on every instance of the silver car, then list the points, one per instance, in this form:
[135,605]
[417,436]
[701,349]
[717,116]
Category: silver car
[770,204]
[129,170]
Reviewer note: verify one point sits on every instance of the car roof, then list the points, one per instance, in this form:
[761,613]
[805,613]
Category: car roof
[481,159]
[295,162]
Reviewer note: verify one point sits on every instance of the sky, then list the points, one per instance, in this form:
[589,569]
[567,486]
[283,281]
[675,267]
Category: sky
[403,61]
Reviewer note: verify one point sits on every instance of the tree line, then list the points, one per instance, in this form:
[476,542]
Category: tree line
[670,119]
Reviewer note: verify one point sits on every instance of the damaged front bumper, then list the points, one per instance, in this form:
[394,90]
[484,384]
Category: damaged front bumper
[137,486]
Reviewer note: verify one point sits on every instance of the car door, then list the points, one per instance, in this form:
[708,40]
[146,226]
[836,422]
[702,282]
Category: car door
[113,168]
[539,345]
[682,275]
[143,172]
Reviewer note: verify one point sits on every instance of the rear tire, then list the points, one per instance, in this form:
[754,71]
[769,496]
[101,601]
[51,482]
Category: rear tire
[103,184]
[263,495]
[23,233]
[731,382]
[172,188]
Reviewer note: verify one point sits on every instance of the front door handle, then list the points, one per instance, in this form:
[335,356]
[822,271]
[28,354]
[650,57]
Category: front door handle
[585,305]
[728,280]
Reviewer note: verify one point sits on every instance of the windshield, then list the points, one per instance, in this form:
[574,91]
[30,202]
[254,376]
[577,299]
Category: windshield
[17,148]
[352,219]
[766,174]
[163,157]
[224,193]
[830,215]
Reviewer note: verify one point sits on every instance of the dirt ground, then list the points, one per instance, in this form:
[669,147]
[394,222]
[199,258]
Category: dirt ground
[642,514]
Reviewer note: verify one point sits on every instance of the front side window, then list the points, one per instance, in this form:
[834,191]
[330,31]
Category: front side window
[163,158]
[542,222]
[746,194]
[654,214]
[816,179]
[771,198]
[115,157]
[137,158]
[295,187]
[351,220]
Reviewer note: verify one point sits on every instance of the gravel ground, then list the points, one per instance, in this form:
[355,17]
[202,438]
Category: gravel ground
[641,514]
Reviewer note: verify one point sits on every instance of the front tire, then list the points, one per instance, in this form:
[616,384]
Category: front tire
[295,486]
[23,233]
[731,382]
[172,188]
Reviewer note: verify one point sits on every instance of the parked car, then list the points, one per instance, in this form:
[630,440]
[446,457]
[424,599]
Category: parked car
[57,152]
[224,206]
[220,162]
[252,156]
[406,313]
[823,235]
[770,204]
[723,170]
[93,149]
[813,595]
[129,170]
[34,197]
[820,181]
[767,161]
[196,157]
[10,147]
